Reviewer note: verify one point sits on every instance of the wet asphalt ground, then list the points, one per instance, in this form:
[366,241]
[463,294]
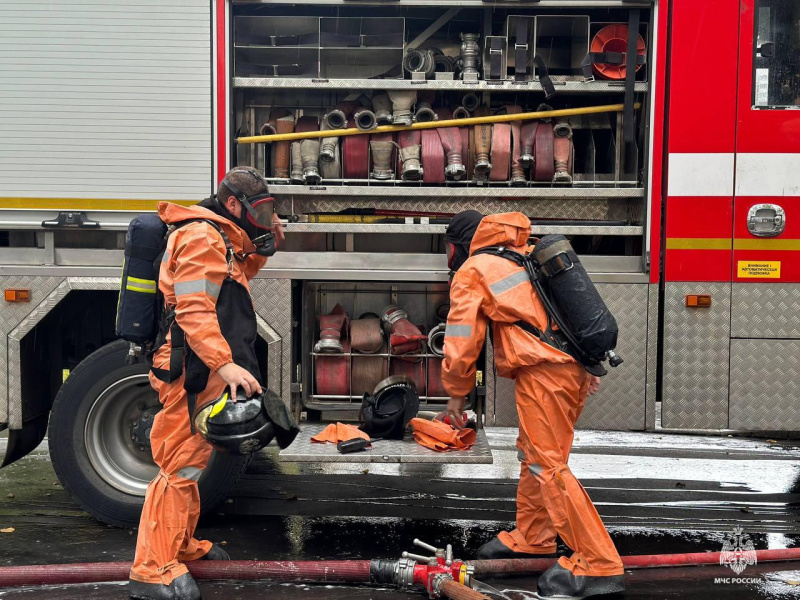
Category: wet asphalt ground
[657,493]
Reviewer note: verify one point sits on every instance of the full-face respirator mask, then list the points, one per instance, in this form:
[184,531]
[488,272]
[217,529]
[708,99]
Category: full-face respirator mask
[257,214]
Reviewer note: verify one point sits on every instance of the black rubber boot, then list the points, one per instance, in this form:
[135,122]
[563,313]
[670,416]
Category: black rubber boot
[494,548]
[558,582]
[216,553]
[181,588]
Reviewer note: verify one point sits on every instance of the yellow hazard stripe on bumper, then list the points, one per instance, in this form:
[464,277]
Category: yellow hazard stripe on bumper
[728,244]
[86,203]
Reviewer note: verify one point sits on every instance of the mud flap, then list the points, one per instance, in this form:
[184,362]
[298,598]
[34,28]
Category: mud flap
[22,441]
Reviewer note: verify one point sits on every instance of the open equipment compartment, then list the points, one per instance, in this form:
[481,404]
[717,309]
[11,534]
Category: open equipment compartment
[400,222]
[424,303]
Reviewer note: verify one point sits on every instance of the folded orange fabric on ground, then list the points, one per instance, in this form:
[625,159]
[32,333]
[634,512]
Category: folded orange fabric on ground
[339,432]
[441,436]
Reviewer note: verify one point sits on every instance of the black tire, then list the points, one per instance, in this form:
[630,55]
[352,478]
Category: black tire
[88,389]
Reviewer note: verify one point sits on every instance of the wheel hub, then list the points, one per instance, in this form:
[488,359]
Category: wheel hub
[140,431]
[117,434]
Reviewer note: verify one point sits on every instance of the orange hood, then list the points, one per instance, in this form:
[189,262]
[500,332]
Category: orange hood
[504,229]
[175,213]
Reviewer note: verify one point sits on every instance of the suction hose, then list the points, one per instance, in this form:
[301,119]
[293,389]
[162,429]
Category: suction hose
[341,571]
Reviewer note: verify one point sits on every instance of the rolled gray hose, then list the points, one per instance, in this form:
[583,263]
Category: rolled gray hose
[436,339]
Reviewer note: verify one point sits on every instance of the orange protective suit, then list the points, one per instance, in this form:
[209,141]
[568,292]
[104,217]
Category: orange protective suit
[441,436]
[192,272]
[551,388]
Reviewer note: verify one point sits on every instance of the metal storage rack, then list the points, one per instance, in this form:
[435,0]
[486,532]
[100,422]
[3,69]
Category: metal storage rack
[419,300]
[616,182]
[562,84]
[605,202]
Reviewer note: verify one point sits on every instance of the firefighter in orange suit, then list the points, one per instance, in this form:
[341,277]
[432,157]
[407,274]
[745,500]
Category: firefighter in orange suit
[551,388]
[196,266]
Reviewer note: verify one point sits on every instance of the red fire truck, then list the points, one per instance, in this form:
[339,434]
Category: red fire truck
[680,201]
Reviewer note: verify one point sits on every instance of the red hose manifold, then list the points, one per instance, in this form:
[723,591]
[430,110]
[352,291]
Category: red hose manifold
[431,572]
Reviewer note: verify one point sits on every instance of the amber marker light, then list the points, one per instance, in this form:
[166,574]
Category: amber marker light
[698,300]
[18,295]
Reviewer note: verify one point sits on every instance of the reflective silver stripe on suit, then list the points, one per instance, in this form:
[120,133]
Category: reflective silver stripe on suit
[534,468]
[197,286]
[192,473]
[509,282]
[458,331]
[165,258]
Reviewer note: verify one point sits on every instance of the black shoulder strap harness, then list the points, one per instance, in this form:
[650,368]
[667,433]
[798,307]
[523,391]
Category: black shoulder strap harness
[560,338]
[167,320]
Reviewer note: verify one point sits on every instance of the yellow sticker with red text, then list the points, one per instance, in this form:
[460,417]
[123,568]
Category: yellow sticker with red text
[760,270]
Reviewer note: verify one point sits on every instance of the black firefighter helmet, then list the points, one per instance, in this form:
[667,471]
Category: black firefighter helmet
[247,425]
[386,412]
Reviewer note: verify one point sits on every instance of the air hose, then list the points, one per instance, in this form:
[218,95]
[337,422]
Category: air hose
[379,572]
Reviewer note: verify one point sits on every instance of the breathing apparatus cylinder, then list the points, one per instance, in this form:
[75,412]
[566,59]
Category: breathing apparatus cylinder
[575,297]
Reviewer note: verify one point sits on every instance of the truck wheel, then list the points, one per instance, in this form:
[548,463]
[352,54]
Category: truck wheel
[99,439]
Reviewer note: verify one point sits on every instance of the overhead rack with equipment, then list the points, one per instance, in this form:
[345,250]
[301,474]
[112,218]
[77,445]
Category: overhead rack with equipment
[376,122]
